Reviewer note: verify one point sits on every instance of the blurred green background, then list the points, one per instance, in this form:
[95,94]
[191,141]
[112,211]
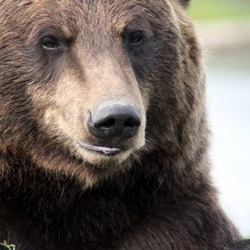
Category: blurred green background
[207,10]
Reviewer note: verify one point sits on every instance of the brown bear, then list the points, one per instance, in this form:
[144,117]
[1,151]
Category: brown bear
[103,132]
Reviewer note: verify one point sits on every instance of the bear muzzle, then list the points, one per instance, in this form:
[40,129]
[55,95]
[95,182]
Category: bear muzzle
[112,124]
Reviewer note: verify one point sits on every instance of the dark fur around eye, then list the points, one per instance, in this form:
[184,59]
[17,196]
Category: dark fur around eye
[140,49]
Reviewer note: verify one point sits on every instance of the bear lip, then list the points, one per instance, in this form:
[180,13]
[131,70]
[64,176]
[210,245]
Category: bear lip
[99,149]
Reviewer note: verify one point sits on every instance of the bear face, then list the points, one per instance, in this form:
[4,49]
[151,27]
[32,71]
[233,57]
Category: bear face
[103,135]
[82,81]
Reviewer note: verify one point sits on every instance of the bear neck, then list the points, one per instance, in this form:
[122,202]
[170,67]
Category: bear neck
[62,206]
[159,170]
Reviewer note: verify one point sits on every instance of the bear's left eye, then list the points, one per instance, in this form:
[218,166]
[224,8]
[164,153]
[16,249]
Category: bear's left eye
[136,37]
[50,43]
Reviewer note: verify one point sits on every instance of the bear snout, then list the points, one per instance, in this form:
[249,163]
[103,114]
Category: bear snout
[114,122]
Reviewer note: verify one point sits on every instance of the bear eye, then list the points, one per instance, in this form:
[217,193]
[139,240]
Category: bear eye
[50,43]
[135,38]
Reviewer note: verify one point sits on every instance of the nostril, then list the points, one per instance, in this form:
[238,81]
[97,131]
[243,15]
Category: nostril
[106,124]
[132,123]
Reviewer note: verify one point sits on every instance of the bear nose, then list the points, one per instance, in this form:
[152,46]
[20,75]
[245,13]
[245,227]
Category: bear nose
[114,121]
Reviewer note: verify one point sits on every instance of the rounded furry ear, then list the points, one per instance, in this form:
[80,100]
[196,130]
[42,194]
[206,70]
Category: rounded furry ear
[185,3]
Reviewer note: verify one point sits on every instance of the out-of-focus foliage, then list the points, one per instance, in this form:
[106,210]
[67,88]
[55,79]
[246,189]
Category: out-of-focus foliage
[206,10]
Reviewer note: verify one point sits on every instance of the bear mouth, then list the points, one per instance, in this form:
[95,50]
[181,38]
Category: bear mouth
[109,151]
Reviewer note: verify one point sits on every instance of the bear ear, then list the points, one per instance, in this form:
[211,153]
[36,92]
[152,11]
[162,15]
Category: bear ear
[185,3]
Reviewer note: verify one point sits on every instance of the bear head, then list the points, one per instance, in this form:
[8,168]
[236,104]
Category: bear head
[88,88]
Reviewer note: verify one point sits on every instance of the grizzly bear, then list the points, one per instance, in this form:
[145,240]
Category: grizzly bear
[103,132]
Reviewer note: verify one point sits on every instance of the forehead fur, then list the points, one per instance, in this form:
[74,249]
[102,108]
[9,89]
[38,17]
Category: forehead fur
[93,13]
[90,21]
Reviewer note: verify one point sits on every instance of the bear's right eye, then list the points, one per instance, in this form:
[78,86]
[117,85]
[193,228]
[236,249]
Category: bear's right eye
[50,43]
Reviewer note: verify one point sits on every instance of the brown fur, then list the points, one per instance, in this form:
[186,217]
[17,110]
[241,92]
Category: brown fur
[54,194]
[242,245]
